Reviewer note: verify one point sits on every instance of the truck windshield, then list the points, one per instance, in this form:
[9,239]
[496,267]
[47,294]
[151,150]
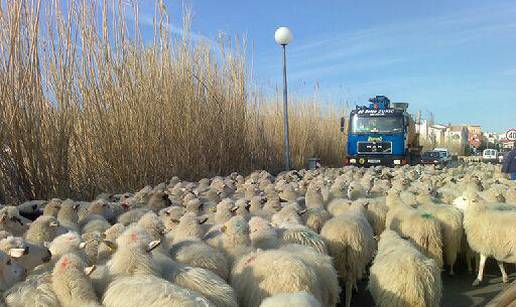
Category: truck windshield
[385,124]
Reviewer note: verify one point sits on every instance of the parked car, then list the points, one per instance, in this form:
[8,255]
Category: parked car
[434,157]
[445,154]
[490,155]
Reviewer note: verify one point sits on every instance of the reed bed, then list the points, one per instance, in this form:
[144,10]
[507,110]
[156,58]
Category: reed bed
[88,106]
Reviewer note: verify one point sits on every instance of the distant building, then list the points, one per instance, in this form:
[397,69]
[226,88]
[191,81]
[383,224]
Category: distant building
[437,134]
[474,136]
[457,138]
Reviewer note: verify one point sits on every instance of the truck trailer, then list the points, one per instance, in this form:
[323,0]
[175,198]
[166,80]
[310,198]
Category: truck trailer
[381,134]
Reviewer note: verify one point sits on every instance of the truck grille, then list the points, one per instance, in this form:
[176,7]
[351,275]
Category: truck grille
[375,147]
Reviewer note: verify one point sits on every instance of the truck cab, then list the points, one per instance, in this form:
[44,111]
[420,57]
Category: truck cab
[379,134]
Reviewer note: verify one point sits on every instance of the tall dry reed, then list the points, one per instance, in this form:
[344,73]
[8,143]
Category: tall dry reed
[86,106]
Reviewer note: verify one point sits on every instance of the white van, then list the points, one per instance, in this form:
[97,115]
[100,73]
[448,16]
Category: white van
[490,155]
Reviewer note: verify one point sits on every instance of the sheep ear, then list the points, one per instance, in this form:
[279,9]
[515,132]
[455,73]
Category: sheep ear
[54,224]
[234,209]
[223,229]
[112,245]
[152,245]
[203,220]
[82,245]
[46,244]
[3,218]
[89,270]
[16,252]
[301,212]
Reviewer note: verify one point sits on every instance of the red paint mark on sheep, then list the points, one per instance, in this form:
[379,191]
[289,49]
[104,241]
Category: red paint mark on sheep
[64,263]
[134,237]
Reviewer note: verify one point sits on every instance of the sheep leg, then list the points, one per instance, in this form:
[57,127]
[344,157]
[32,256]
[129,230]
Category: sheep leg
[349,288]
[451,270]
[468,261]
[480,270]
[505,278]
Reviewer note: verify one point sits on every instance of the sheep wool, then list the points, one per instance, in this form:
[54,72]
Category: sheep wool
[150,291]
[44,229]
[491,231]
[298,299]
[401,276]
[26,254]
[420,227]
[350,242]
[261,274]
[71,283]
[197,253]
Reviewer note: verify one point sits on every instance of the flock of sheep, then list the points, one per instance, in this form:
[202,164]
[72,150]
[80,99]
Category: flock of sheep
[261,240]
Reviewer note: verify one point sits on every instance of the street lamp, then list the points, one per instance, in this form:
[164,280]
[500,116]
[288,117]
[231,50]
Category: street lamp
[283,36]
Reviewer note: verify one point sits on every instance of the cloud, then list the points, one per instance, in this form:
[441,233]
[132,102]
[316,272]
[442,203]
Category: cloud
[371,48]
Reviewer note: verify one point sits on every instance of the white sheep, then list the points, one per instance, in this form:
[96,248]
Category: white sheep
[94,223]
[133,257]
[68,215]
[44,229]
[261,274]
[152,291]
[26,254]
[235,241]
[450,219]
[36,290]
[419,226]
[197,253]
[491,231]
[132,216]
[12,222]
[10,272]
[262,234]
[401,276]
[326,272]
[298,299]
[350,241]
[71,284]
[52,207]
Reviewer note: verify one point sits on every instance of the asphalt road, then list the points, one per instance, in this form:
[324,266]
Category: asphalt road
[457,290]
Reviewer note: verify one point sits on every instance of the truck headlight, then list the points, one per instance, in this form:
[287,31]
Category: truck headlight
[397,162]
[352,160]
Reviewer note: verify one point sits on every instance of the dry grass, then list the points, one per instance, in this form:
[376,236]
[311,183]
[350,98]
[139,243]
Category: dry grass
[85,108]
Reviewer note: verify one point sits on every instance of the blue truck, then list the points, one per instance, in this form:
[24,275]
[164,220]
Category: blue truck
[381,134]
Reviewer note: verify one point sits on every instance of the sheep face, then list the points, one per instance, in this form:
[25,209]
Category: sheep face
[69,242]
[26,254]
[10,272]
[11,221]
[52,208]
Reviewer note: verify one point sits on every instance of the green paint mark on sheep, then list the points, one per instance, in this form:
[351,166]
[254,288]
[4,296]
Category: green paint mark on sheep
[426,215]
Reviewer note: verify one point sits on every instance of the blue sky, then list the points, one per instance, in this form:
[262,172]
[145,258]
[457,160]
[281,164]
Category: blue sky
[456,59]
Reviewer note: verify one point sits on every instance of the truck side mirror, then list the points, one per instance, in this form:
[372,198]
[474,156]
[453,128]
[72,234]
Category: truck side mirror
[342,124]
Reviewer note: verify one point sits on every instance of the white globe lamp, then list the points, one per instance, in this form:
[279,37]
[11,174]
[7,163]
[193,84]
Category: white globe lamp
[283,36]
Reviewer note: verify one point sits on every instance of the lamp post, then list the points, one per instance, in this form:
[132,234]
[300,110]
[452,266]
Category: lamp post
[283,36]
